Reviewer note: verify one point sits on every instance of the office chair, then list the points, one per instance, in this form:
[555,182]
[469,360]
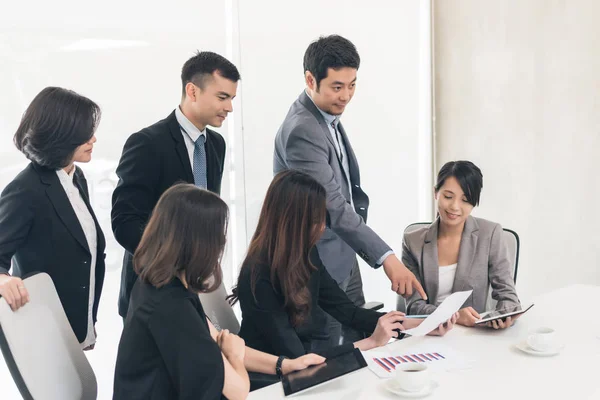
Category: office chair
[40,349]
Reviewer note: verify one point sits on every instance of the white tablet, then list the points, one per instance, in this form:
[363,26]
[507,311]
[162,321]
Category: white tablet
[501,314]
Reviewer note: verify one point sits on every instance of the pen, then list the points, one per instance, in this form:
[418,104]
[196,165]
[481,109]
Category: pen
[416,316]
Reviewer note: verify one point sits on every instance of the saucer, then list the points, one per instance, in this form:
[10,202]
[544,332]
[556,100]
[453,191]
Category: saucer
[524,347]
[392,386]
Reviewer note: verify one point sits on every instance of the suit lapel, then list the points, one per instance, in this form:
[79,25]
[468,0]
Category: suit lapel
[81,184]
[180,148]
[62,205]
[352,162]
[213,163]
[430,263]
[466,254]
[310,106]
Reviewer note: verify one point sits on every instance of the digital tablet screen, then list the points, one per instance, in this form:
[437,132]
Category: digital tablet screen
[332,368]
[501,314]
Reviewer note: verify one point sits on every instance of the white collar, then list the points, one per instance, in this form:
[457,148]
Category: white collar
[187,126]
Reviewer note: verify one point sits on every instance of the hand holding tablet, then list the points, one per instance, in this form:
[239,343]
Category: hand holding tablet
[497,319]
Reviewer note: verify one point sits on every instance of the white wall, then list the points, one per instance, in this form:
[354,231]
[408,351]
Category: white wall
[383,120]
[135,78]
[127,56]
[516,88]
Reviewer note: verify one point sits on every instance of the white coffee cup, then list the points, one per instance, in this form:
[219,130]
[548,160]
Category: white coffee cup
[542,339]
[412,377]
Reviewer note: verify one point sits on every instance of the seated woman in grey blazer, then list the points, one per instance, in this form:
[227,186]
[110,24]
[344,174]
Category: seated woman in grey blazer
[459,252]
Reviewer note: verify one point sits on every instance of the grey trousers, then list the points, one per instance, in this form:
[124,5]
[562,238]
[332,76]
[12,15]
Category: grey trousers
[353,287]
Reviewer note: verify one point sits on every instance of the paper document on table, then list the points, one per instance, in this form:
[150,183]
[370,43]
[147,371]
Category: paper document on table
[444,311]
[435,355]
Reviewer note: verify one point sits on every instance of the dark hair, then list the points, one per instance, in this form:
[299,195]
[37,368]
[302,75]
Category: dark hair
[288,228]
[186,233]
[201,66]
[327,52]
[54,125]
[467,174]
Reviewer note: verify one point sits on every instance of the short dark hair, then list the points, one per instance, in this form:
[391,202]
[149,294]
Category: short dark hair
[201,66]
[56,122]
[333,51]
[467,174]
[186,234]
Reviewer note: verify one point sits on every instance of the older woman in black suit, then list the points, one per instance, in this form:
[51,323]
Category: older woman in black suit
[46,221]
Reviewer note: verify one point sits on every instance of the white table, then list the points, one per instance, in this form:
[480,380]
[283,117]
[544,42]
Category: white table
[500,371]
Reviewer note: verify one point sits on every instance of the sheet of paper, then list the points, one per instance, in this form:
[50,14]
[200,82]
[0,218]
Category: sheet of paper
[452,304]
[436,356]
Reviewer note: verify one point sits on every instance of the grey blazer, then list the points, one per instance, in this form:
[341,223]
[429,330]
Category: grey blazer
[304,143]
[482,260]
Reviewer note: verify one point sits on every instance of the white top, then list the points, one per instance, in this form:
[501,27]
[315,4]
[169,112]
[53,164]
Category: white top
[447,274]
[190,133]
[89,230]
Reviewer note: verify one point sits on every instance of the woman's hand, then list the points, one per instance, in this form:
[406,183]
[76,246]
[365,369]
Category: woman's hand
[468,316]
[499,324]
[13,291]
[232,346]
[297,364]
[410,323]
[445,327]
[386,328]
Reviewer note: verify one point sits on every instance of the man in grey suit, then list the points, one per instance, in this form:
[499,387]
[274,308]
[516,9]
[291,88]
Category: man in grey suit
[312,139]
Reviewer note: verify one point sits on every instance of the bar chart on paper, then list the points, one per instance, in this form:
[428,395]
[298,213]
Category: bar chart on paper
[389,363]
[436,357]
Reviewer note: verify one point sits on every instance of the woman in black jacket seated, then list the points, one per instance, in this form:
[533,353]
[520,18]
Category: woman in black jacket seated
[169,349]
[283,287]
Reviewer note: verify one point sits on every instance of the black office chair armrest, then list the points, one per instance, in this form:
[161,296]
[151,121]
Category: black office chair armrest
[373,305]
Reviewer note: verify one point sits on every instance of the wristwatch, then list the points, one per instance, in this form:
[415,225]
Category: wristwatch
[278,366]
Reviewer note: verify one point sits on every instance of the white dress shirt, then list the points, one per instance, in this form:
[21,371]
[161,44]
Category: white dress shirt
[89,230]
[190,133]
[446,282]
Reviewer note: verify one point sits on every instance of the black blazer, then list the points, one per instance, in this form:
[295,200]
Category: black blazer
[153,160]
[166,351]
[39,231]
[266,324]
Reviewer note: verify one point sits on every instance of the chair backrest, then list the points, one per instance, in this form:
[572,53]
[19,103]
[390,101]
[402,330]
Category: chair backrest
[219,311]
[40,349]
[512,242]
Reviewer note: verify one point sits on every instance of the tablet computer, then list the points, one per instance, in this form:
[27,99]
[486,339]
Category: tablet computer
[316,375]
[501,314]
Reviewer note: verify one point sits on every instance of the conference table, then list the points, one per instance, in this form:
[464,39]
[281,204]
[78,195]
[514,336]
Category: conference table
[497,369]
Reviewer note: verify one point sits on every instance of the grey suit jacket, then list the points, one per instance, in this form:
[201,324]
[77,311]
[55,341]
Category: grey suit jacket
[304,143]
[482,260]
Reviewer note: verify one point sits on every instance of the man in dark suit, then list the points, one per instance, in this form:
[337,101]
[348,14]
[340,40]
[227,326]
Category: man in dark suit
[312,139]
[179,148]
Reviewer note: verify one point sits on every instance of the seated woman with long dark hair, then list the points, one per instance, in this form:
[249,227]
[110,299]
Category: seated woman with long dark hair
[169,349]
[284,288]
